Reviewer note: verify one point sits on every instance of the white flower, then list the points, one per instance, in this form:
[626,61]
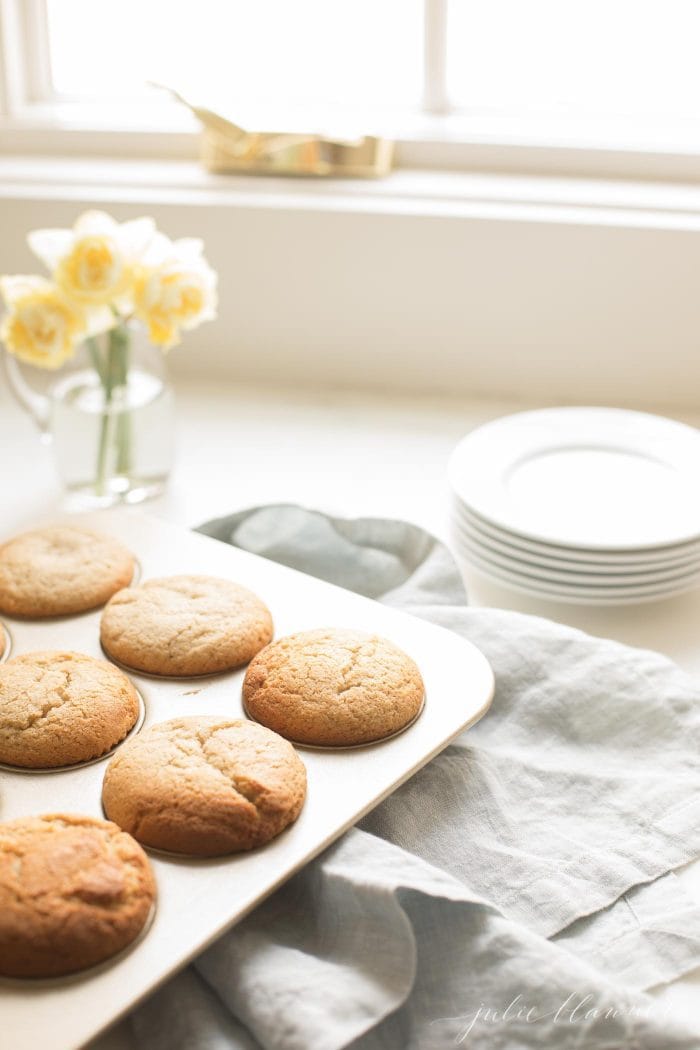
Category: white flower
[175,289]
[94,262]
[41,326]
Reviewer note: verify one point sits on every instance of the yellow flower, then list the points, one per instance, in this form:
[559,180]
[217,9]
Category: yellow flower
[41,326]
[174,289]
[94,262]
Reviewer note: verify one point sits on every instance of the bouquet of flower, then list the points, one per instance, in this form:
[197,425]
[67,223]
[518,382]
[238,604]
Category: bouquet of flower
[104,277]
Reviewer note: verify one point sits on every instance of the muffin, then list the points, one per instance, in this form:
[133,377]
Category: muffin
[59,708]
[204,786]
[60,570]
[333,687]
[74,891]
[185,625]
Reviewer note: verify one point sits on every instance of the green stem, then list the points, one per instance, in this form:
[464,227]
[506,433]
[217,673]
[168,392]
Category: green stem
[105,374]
[113,374]
[120,347]
[97,363]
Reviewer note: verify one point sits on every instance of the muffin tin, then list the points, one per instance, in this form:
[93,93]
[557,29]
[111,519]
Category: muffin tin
[199,899]
[6,637]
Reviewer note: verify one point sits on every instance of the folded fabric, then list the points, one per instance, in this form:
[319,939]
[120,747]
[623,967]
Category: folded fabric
[514,892]
[372,948]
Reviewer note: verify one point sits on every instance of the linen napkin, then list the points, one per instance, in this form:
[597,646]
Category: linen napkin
[516,891]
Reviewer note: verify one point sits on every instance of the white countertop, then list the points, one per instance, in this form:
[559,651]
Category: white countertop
[350,454]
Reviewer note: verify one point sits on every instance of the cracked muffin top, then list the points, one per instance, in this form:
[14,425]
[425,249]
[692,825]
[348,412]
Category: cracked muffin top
[333,687]
[185,625]
[59,708]
[73,892]
[60,570]
[204,786]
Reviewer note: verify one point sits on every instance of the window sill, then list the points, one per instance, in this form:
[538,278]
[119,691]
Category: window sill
[426,192]
[538,288]
[509,144]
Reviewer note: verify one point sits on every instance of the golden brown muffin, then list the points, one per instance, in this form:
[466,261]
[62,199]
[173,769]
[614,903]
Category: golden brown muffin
[59,570]
[333,687]
[205,786]
[73,892]
[185,625]
[58,708]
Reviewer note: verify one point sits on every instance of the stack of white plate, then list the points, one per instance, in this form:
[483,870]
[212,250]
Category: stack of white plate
[591,505]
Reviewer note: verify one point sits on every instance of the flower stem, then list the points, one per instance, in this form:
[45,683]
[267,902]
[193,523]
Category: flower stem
[119,348]
[94,351]
[105,374]
[115,433]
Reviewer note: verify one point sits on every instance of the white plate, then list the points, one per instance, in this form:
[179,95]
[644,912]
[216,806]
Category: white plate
[555,554]
[469,568]
[584,581]
[199,899]
[593,478]
[472,543]
[587,595]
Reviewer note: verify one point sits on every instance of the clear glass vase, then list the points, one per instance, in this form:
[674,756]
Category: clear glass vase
[109,416]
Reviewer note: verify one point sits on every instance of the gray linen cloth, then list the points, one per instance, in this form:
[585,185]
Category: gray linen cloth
[516,892]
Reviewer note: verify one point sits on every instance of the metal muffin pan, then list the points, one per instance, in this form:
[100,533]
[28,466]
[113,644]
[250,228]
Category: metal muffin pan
[199,899]
[6,637]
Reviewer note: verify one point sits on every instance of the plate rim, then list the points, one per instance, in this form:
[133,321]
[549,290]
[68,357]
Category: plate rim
[676,552]
[531,583]
[547,596]
[560,575]
[485,433]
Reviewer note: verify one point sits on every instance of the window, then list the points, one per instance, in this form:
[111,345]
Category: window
[494,78]
[579,70]
[267,53]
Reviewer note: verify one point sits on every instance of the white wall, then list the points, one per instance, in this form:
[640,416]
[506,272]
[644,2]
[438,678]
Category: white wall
[546,302]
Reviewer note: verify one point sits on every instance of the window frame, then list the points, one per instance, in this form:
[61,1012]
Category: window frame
[24,66]
[32,121]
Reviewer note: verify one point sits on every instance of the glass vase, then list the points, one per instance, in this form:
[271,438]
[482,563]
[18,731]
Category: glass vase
[109,416]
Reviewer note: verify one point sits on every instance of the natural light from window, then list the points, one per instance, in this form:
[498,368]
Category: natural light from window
[576,58]
[564,71]
[358,54]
